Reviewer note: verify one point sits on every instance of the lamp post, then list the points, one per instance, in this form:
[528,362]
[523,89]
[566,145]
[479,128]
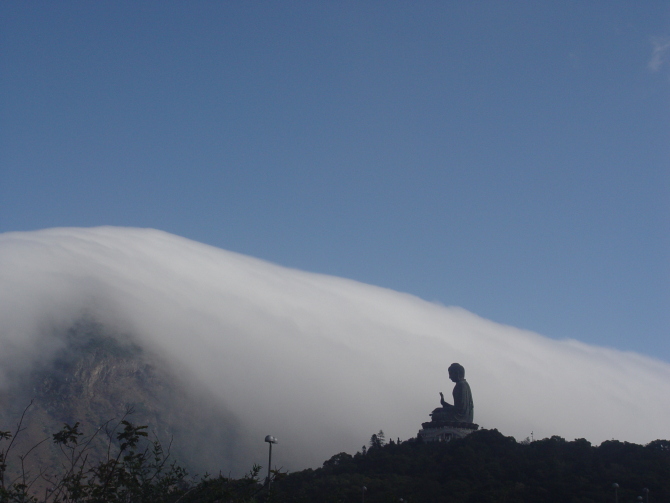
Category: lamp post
[363,493]
[270,440]
[615,486]
[646,494]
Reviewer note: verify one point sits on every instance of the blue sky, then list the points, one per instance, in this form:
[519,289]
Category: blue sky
[511,158]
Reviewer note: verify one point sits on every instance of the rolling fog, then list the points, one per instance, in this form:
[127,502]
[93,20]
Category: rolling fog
[319,362]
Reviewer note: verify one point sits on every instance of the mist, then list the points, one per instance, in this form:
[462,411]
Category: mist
[319,362]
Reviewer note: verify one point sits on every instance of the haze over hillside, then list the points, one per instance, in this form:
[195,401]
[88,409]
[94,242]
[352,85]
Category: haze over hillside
[319,362]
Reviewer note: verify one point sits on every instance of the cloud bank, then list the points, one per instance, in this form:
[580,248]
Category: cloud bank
[319,362]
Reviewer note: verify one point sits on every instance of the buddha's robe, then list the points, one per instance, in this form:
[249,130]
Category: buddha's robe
[463,408]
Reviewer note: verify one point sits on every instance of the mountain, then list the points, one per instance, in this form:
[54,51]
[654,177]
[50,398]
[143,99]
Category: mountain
[219,349]
[99,378]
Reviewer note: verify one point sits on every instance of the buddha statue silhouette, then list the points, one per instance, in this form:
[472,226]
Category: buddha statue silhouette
[462,410]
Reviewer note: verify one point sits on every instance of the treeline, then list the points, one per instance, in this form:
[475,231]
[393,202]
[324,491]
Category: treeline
[487,466]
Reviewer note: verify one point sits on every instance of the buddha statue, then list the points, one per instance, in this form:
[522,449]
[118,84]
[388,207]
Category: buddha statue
[462,410]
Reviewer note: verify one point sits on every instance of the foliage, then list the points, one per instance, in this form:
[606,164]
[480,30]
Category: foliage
[134,470]
[485,466]
[377,440]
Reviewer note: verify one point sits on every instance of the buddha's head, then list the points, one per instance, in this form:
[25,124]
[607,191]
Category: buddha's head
[456,372]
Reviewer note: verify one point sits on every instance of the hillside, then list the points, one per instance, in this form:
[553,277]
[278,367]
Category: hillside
[94,378]
[487,466]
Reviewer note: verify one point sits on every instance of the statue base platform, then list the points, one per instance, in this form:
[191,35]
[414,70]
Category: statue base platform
[444,431]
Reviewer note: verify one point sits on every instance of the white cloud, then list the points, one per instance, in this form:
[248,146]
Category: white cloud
[660,53]
[318,361]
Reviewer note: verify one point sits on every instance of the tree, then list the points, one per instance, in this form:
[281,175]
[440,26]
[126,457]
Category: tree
[377,440]
[134,470]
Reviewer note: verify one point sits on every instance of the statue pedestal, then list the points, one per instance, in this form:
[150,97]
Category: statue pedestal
[444,431]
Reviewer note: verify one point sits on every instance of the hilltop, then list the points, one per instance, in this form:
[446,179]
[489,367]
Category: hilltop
[486,466]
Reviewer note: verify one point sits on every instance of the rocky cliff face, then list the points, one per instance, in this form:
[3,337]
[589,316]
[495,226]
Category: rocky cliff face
[95,378]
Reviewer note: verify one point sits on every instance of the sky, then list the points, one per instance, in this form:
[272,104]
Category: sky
[319,362]
[509,158]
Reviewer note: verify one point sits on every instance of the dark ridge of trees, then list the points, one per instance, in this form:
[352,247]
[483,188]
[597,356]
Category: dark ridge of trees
[486,466]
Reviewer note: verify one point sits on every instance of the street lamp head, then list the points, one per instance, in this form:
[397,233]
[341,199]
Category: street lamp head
[271,440]
[615,486]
